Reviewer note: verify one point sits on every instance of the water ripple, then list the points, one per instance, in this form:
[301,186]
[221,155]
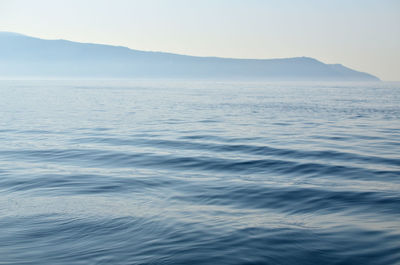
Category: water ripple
[193,172]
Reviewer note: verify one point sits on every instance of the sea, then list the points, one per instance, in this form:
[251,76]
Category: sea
[199,172]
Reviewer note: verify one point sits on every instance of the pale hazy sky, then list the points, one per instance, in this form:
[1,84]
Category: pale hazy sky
[361,34]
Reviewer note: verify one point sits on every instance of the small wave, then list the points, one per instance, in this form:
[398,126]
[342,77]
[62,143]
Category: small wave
[243,149]
[296,199]
[106,158]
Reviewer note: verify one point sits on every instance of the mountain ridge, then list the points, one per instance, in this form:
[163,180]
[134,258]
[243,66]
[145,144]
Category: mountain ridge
[30,56]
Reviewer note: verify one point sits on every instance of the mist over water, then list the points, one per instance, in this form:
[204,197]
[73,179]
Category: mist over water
[187,172]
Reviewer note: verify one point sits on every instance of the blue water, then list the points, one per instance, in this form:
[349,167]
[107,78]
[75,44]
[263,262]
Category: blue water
[190,172]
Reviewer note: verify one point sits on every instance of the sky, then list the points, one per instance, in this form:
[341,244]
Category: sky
[360,34]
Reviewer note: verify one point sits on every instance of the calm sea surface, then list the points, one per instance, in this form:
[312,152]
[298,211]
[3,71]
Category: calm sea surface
[176,172]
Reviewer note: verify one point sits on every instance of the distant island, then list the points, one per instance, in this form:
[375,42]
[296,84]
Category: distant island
[26,56]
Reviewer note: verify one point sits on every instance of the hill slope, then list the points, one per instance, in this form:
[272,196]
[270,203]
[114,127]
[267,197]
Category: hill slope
[22,55]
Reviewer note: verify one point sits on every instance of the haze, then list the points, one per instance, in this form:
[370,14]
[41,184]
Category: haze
[364,35]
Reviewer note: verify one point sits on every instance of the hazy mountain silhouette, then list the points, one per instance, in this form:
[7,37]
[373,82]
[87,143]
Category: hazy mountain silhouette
[22,55]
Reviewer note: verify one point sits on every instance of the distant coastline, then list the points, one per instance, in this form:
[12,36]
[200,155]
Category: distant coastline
[25,56]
